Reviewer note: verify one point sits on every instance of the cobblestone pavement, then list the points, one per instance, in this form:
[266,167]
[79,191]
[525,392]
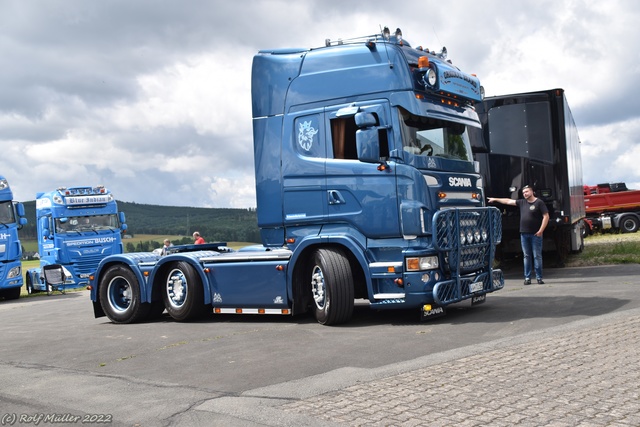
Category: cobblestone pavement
[586,376]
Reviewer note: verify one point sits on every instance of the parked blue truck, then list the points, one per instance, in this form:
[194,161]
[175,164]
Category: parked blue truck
[366,189]
[11,220]
[77,227]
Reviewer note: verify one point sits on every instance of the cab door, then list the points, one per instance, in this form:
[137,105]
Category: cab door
[360,193]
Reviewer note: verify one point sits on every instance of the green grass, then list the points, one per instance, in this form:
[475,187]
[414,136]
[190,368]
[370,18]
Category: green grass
[605,249]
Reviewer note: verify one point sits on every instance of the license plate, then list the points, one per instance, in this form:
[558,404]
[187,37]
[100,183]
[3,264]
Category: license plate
[476,287]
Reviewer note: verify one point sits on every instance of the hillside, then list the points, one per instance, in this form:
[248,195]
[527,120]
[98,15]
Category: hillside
[213,224]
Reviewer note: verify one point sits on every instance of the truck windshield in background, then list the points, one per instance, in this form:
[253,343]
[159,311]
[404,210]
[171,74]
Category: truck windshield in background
[87,223]
[6,213]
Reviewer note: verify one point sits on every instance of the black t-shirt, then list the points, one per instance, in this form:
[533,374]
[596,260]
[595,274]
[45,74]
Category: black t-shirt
[531,215]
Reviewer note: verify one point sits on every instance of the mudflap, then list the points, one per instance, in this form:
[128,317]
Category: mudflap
[478,299]
[428,312]
[97,310]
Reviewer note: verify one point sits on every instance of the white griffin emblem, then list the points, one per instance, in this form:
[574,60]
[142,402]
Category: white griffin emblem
[305,135]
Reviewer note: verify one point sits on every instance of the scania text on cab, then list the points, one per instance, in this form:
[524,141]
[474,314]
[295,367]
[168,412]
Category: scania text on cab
[77,227]
[366,189]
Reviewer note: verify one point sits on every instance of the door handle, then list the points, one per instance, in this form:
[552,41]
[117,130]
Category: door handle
[335,198]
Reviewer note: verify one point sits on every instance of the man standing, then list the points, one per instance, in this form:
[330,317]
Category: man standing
[534,217]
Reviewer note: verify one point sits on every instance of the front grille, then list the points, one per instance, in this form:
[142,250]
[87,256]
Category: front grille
[468,237]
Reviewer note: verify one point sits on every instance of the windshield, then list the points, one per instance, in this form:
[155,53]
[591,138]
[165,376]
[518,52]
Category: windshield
[6,212]
[424,136]
[86,223]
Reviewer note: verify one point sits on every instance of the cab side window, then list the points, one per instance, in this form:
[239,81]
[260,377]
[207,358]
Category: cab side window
[343,136]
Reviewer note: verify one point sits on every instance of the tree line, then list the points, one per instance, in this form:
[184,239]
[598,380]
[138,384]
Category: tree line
[214,224]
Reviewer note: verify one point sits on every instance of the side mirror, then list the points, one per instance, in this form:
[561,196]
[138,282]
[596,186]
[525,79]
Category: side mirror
[43,225]
[121,217]
[20,209]
[368,145]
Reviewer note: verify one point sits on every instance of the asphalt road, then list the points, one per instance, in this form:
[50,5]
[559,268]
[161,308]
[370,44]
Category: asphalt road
[57,360]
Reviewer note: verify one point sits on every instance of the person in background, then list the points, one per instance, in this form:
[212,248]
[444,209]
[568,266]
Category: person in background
[166,246]
[198,239]
[534,217]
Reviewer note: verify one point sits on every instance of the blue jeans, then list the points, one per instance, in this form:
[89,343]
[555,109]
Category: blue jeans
[532,248]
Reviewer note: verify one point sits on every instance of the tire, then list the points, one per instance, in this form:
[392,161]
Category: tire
[183,292]
[629,224]
[120,296]
[12,293]
[29,285]
[331,286]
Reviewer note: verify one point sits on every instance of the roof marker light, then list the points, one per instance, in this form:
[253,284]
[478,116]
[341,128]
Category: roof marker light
[398,36]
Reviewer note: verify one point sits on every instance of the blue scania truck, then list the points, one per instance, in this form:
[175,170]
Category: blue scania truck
[77,227]
[11,220]
[366,189]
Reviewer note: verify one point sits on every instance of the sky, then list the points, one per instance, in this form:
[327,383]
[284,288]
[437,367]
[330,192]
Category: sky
[151,98]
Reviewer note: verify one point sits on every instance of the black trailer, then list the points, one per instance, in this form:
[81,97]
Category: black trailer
[531,138]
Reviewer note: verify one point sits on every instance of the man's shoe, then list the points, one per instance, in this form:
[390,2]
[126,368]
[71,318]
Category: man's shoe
[527,281]
[540,282]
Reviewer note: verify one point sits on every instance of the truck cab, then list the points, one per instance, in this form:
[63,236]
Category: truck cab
[77,227]
[11,220]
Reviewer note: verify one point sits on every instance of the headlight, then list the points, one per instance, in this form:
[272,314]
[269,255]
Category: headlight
[463,238]
[14,272]
[422,263]
[430,77]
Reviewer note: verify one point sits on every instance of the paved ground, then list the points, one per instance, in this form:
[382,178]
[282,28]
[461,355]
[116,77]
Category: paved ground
[583,374]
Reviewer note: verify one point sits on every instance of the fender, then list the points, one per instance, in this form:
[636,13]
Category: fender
[130,260]
[348,241]
[193,258]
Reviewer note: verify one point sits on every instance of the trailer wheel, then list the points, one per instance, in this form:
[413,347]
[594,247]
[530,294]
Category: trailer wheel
[331,286]
[183,292]
[120,296]
[629,224]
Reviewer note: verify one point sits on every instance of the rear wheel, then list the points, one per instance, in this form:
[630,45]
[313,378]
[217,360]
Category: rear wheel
[331,286]
[629,224]
[120,296]
[183,293]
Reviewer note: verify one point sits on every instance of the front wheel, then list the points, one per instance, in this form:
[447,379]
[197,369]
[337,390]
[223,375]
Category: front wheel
[183,293]
[120,296]
[331,286]
[11,293]
[29,285]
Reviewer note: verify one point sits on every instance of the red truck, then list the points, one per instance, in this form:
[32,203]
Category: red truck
[612,207]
